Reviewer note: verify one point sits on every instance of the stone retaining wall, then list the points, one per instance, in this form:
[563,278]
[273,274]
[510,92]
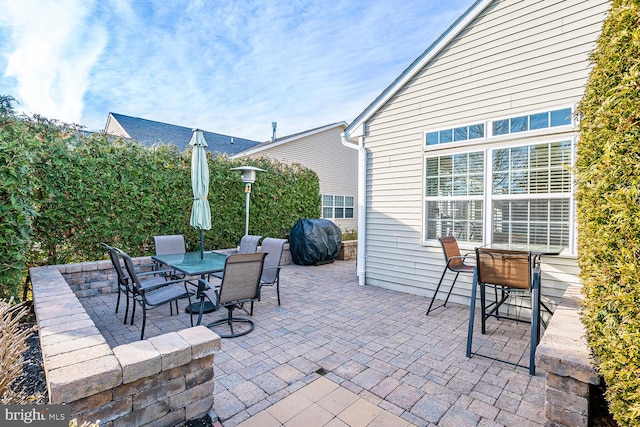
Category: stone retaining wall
[564,354]
[348,250]
[161,381]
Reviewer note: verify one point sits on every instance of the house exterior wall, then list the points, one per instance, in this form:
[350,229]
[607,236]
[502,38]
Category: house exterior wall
[114,128]
[514,57]
[335,164]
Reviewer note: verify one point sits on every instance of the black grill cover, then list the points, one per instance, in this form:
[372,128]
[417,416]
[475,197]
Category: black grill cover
[314,241]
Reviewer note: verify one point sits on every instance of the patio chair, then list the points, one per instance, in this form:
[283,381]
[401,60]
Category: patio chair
[271,271]
[123,280]
[509,272]
[155,291]
[169,244]
[455,262]
[248,245]
[240,284]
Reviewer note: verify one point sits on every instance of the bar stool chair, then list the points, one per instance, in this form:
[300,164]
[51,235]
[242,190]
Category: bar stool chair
[455,262]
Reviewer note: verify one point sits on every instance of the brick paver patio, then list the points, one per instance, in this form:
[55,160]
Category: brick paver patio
[373,342]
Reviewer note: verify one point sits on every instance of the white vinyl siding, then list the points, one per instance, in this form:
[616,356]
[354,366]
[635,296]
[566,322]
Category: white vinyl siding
[514,59]
[335,164]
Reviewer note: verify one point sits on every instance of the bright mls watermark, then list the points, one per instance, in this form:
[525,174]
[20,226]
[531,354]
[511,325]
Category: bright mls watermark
[34,415]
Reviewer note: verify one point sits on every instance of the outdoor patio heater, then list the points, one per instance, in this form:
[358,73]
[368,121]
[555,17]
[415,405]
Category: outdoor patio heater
[248,177]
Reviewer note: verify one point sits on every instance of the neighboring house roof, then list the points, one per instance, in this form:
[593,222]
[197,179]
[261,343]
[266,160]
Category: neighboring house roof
[285,139]
[356,128]
[151,132]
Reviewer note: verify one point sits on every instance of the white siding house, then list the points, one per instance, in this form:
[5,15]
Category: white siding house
[322,151]
[476,139]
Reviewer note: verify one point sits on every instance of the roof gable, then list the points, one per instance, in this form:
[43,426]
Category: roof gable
[150,132]
[357,127]
[289,138]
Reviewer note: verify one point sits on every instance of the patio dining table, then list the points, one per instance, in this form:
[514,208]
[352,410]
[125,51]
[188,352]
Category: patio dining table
[195,264]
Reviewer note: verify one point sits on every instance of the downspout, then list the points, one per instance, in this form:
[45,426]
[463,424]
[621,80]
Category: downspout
[362,208]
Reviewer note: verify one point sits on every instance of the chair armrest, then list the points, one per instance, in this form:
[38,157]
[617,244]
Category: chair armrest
[154,273]
[461,257]
[163,284]
[208,285]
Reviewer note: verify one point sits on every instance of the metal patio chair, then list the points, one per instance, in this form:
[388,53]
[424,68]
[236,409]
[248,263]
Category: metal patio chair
[169,244]
[271,271]
[240,284]
[155,291]
[455,262]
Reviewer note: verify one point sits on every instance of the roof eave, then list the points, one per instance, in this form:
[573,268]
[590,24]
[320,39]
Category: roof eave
[286,140]
[357,127]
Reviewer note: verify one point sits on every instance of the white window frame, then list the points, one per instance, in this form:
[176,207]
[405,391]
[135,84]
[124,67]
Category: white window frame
[487,145]
[333,206]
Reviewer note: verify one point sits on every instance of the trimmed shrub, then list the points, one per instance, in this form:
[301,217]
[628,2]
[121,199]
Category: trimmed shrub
[63,193]
[16,203]
[608,208]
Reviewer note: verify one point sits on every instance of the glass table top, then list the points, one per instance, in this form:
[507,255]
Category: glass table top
[191,264]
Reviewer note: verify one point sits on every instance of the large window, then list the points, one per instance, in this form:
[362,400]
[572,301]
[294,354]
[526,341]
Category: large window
[531,194]
[517,194]
[454,199]
[337,207]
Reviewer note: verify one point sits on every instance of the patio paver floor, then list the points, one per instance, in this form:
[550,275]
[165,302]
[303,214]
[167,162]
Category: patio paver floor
[373,344]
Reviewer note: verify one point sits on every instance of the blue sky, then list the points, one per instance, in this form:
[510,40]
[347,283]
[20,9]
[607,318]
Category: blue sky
[230,67]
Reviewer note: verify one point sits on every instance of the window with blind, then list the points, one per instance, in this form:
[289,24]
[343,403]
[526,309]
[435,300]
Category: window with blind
[517,194]
[532,194]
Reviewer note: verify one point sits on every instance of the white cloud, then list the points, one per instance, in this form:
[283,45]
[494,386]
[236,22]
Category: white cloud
[51,55]
[229,66]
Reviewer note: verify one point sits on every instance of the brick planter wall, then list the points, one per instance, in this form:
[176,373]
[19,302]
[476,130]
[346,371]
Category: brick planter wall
[348,250]
[564,354]
[161,381]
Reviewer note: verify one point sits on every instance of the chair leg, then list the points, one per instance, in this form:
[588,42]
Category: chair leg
[472,310]
[118,301]
[251,312]
[133,310]
[126,307]
[450,289]
[229,322]
[483,308]
[278,288]
[144,322]
[436,292]
[230,318]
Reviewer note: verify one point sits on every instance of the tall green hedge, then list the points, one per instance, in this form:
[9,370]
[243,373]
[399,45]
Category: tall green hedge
[62,193]
[16,204]
[608,208]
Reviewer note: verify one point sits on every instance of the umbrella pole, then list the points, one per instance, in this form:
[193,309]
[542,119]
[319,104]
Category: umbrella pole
[201,243]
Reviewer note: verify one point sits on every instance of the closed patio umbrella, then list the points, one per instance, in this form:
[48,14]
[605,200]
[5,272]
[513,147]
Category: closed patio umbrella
[200,212]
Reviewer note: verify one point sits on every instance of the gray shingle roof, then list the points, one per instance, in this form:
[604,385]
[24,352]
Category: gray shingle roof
[150,132]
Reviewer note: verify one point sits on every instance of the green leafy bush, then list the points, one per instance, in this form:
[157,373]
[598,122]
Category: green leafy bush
[16,203]
[89,189]
[608,209]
